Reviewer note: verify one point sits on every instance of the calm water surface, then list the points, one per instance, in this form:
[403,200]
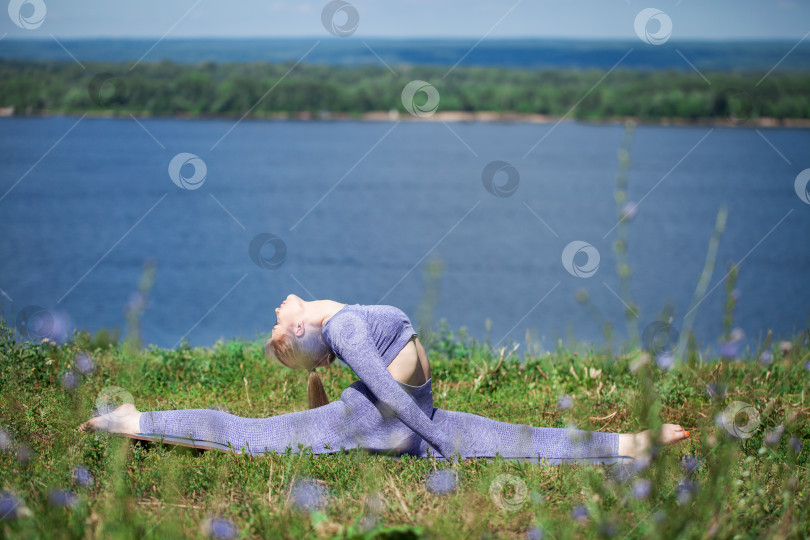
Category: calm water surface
[362,208]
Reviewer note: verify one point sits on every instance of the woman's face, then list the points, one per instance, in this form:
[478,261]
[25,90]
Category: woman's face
[289,315]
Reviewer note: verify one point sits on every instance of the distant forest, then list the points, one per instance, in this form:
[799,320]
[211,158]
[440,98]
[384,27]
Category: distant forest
[232,89]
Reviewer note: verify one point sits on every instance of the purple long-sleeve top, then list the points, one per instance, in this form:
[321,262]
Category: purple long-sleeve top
[367,339]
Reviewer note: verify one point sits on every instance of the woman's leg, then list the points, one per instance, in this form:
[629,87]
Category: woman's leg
[478,436]
[347,423]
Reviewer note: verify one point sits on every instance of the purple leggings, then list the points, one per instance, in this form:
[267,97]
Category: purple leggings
[358,419]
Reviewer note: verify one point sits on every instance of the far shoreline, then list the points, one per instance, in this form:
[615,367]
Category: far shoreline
[443,116]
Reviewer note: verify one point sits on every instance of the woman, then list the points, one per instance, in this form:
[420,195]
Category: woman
[389,410]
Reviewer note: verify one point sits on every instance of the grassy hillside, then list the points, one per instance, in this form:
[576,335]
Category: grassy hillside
[712,485]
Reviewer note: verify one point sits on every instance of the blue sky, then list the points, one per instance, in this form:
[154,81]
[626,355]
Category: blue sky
[596,19]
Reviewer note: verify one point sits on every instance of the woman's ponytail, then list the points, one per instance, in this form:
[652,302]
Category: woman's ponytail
[316,395]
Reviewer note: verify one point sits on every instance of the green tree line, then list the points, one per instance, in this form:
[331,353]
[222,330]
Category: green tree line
[232,89]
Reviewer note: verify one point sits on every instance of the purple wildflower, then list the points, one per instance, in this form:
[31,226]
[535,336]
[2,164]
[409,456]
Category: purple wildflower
[642,488]
[442,481]
[579,513]
[665,360]
[629,210]
[535,533]
[221,528]
[766,357]
[82,476]
[307,494]
[565,403]
[690,463]
[686,489]
[730,349]
[772,438]
[63,498]
[70,381]
[11,506]
[795,444]
[85,364]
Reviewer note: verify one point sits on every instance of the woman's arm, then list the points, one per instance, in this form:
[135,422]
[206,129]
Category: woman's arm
[348,335]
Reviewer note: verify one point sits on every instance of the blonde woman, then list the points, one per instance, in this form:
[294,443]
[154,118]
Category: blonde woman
[389,410]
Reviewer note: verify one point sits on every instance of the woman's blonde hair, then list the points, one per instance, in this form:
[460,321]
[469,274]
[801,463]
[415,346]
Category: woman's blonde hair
[308,352]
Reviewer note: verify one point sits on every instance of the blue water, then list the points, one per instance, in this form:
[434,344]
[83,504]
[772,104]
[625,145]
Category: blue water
[95,203]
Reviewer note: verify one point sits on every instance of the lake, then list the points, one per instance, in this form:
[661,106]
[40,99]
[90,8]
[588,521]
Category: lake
[362,208]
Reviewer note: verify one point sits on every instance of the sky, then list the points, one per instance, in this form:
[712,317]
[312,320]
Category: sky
[580,19]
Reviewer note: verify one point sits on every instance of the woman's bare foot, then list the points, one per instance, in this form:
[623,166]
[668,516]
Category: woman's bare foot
[636,444]
[125,419]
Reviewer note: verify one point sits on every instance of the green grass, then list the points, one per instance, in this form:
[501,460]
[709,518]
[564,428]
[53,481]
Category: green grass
[746,488]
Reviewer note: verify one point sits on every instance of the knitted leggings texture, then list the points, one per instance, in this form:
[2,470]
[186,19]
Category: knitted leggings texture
[358,419]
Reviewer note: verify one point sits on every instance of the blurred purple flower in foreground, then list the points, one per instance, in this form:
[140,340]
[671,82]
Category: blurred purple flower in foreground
[307,494]
[766,357]
[665,360]
[579,513]
[534,533]
[11,506]
[85,364]
[82,476]
[642,488]
[442,481]
[565,403]
[772,438]
[220,528]
[63,498]
[686,489]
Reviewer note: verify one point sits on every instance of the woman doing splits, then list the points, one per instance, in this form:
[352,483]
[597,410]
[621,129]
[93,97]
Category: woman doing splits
[389,410]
